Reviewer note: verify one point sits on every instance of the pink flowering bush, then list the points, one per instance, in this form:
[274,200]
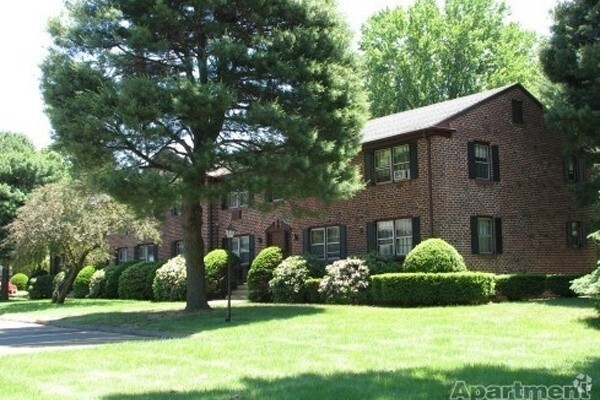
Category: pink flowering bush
[346,282]
[170,281]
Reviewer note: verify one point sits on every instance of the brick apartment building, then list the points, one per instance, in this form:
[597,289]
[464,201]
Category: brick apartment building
[482,172]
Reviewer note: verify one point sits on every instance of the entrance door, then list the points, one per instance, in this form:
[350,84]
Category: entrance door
[280,234]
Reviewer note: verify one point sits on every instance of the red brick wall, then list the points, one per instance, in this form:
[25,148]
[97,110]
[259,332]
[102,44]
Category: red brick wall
[531,197]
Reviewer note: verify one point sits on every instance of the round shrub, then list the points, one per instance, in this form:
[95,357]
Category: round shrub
[170,281]
[81,285]
[261,272]
[98,282]
[40,287]
[20,281]
[135,282]
[346,282]
[112,275]
[287,285]
[434,255]
[215,264]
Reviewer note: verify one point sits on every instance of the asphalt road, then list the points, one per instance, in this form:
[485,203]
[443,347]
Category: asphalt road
[24,337]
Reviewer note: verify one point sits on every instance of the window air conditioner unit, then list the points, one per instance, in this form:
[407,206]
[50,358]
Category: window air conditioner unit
[402,174]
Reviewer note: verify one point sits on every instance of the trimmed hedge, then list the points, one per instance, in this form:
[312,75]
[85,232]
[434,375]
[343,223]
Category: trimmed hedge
[261,272]
[429,289]
[520,286]
[135,282]
[215,264]
[20,281]
[81,284]
[40,287]
[434,255]
[111,279]
[560,285]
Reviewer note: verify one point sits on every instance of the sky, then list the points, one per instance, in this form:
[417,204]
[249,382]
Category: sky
[24,43]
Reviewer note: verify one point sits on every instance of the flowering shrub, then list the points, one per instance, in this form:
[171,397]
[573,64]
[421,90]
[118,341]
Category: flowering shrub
[346,282]
[288,280]
[170,281]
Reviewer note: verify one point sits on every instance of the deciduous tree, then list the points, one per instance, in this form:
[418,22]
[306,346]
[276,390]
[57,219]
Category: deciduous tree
[151,96]
[65,218]
[426,54]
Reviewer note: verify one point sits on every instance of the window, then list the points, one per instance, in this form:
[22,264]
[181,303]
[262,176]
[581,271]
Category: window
[576,235]
[175,211]
[517,111]
[237,199]
[240,245]
[486,235]
[484,161]
[395,238]
[397,163]
[122,255]
[574,168]
[177,248]
[325,243]
[146,252]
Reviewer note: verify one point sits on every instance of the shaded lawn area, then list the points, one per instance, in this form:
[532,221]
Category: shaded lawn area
[308,352]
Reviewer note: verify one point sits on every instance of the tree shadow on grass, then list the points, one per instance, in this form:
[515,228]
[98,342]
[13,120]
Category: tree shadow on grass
[419,383]
[574,302]
[179,323]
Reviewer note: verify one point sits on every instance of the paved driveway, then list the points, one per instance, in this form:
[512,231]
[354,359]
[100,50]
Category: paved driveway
[24,337]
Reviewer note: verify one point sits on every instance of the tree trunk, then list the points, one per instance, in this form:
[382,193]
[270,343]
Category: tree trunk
[4,288]
[194,254]
[62,289]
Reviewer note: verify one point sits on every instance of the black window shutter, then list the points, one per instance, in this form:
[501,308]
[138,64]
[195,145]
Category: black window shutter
[155,250]
[474,237]
[224,205]
[225,244]
[251,248]
[517,111]
[173,249]
[569,236]
[471,157]
[306,241]
[566,160]
[416,231]
[495,163]
[371,236]
[582,235]
[343,244]
[414,160]
[580,169]
[136,252]
[117,257]
[369,167]
[498,237]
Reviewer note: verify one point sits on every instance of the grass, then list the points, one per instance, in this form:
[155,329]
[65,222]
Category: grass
[307,352]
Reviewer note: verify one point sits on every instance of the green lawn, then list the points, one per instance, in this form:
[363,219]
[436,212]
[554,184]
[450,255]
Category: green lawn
[308,352]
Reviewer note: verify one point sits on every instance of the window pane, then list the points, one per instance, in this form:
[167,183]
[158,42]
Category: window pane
[317,236]
[383,162]
[401,154]
[333,250]
[333,234]
[485,235]
[482,162]
[385,229]
[403,236]
[150,252]
[481,152]
[318,250]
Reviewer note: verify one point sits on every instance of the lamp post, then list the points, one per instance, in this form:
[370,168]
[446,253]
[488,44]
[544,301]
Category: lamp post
[230,233]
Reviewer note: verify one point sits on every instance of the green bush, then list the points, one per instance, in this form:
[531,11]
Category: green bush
[81,285]
[111,279]
[38,272]
[520,286]
[287,285]
[136,281]
[346,282]
[560,285]
[261,272]
[215,264]
[98,283]
[380,264]
[428,289]
[587,285]
[170,282]
[316,266]
[40,287]
[434,255]
[311,291]
[19,280]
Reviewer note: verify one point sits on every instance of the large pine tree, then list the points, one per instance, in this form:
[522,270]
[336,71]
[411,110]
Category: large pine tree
[151,96]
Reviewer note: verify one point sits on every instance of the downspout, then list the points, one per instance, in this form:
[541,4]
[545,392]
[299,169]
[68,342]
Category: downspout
[430,184]
[210,226]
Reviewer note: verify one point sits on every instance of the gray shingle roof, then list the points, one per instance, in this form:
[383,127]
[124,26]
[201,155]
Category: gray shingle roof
[424,117]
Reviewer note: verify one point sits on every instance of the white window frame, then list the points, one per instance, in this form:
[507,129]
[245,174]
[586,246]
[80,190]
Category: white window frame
[575,234]
[238,249]
[398,163]
[396,244]
[237,199]
[328,233]
[483,237]
[120,252]
[144,254]
[480,162]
